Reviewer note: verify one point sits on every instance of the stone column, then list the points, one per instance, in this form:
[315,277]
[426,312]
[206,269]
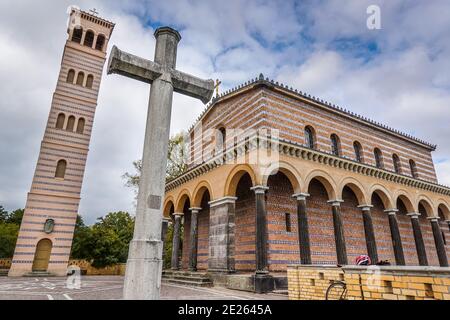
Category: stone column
[341,250]
[221,235]
[303,229]
[261,230]
[439,241]
[176,241]
[263,281]
[396,239]
[193,237]
[94,42]
[83,36]
[448,223]
[369,233]
[418,239]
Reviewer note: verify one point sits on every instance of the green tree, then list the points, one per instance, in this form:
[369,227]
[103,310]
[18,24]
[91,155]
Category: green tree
[8,238]
[9,231]
[81,238]
[3,214]
[105,243]
[16,216]
[176,162]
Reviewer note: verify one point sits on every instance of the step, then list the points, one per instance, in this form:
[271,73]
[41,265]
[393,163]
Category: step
[4,272]
[38,274]
[187,277]
[185,273]
[281,292]
[188,283]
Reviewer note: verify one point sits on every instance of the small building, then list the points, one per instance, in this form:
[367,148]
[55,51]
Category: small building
[278,177]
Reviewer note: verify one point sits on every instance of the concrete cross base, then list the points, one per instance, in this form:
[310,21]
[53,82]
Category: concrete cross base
[263,283]
[142,262]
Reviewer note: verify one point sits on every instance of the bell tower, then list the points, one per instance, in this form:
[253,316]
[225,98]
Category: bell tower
[46,233]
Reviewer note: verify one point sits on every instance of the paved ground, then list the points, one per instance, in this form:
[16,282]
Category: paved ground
[110,287]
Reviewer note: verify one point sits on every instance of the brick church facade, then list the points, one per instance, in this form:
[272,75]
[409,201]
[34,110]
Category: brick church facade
[277,177]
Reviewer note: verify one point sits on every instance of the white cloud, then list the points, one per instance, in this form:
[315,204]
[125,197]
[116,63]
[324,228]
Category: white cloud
[402,81]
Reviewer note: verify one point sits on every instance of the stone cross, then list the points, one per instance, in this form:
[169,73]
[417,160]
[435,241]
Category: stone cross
[144,265]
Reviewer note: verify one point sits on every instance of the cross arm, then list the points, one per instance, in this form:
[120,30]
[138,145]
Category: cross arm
[192,86]
[132,66]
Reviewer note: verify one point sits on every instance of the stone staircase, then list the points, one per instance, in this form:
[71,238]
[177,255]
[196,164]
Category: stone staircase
[187,278]
[38,274]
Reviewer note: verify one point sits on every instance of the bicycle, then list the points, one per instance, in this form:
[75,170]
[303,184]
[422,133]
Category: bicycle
[338,288]
[336,291]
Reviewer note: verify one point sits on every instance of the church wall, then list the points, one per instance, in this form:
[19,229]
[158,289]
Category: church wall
[245,248]
[382,230]
[428,239]
[320,220]
[291,116]
[186,246]
[283,246]
[203,238]
[353,226]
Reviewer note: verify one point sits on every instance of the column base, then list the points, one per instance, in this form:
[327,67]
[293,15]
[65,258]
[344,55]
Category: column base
[264,282]
[144,270]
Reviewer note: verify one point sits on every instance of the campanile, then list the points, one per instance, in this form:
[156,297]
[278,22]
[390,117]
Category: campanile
[46,233]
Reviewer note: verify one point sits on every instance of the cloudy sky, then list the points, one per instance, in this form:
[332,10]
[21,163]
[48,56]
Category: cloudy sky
[398,75]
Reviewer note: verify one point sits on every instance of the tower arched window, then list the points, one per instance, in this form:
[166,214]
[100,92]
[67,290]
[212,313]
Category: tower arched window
[77,35]
[61,169]
[335,145]
[80,78]
[309,137]
[221,136]
[413,167]
[70,123]
[100,42]
[397,164]
[358,151]
[378,158]
[71,76]
[60,121]
[89,81]
[80,125]
[89,39]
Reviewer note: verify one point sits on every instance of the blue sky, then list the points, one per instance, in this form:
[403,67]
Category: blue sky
[397,75]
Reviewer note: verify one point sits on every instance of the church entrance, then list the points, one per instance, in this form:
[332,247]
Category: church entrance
[42,255]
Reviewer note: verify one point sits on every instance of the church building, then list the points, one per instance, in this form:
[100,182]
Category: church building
[278,177]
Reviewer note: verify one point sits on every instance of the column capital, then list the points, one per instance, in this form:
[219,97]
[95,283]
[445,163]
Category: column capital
[433,219]
[365,207]
[448,221]
[301,196]
[197,209]
[178,214]
[414,215]
[335,203]
[221,201]
[165,219]
[391,212]
[259,189]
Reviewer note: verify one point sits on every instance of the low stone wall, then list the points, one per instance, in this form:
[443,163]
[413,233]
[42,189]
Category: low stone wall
[370,283]
[87,269]
[85,266]
[5,263]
